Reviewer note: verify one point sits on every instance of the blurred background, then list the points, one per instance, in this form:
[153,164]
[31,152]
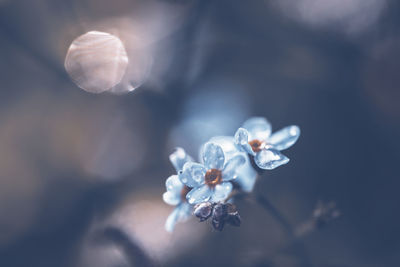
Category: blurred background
[82,173]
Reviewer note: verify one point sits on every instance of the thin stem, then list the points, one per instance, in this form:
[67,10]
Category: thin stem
[286,225]
[135,254]
[268,206]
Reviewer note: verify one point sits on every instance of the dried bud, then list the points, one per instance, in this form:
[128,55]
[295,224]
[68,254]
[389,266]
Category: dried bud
[203,210]
[225,213]
[218,224]
[220,211]
[230,208]
[219,215]
[324,213]
[234,219]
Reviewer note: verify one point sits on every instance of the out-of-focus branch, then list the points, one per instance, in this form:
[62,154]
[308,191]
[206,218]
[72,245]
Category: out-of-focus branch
[323,214]
[268,206]
[289,229]
[13,37]
[281,219]
[134,253]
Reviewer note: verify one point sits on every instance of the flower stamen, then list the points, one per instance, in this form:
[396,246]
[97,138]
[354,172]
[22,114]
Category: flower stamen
[184,192]
[256,145]
[213,177]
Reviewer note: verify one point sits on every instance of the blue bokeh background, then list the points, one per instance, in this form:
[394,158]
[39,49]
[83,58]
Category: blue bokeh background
[74,163]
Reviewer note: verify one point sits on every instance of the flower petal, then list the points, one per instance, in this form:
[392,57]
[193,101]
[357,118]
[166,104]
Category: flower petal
[258,127]
[242,140]
[269,159]
[232,166]
[221,191]
[246,176]
[199,194]
[172,220]
[178,158]
[185,211]
[173,184]
[213,156]
[192,174]
[171,198]
[179,214]
[227,144]
[285,137]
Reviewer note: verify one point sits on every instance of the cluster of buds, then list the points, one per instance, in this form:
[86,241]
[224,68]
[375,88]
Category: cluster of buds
[220,214]
[325,213]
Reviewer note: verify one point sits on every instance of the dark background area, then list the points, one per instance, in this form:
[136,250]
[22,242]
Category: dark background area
[82,175]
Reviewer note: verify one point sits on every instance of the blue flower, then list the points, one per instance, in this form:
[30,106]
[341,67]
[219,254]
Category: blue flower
[210,180]
[176,191]
[255,138]
[179,158]
[246,175]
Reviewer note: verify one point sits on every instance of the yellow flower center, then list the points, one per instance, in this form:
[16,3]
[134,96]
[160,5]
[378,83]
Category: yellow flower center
[213,177]
[256,145]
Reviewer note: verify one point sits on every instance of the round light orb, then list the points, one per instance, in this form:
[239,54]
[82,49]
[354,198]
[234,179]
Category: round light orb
[96,61]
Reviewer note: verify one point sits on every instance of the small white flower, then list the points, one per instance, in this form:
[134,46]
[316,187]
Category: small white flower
[176,191]
[211,180]
[246,175]
[255,138]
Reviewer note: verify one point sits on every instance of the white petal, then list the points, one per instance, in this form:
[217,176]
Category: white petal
[242,140]
[179,214]
[171,220]
[192,174]
[227,144]
[179,158]
[173,184]
[171,198]
[232,166]
[221,191]
[285,137]
[213,156]
[269,159]
[185,211]
[199,194]
[246,177]
[241,136]
[258,127]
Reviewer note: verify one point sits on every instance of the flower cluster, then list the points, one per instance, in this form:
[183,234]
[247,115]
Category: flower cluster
[227,163]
